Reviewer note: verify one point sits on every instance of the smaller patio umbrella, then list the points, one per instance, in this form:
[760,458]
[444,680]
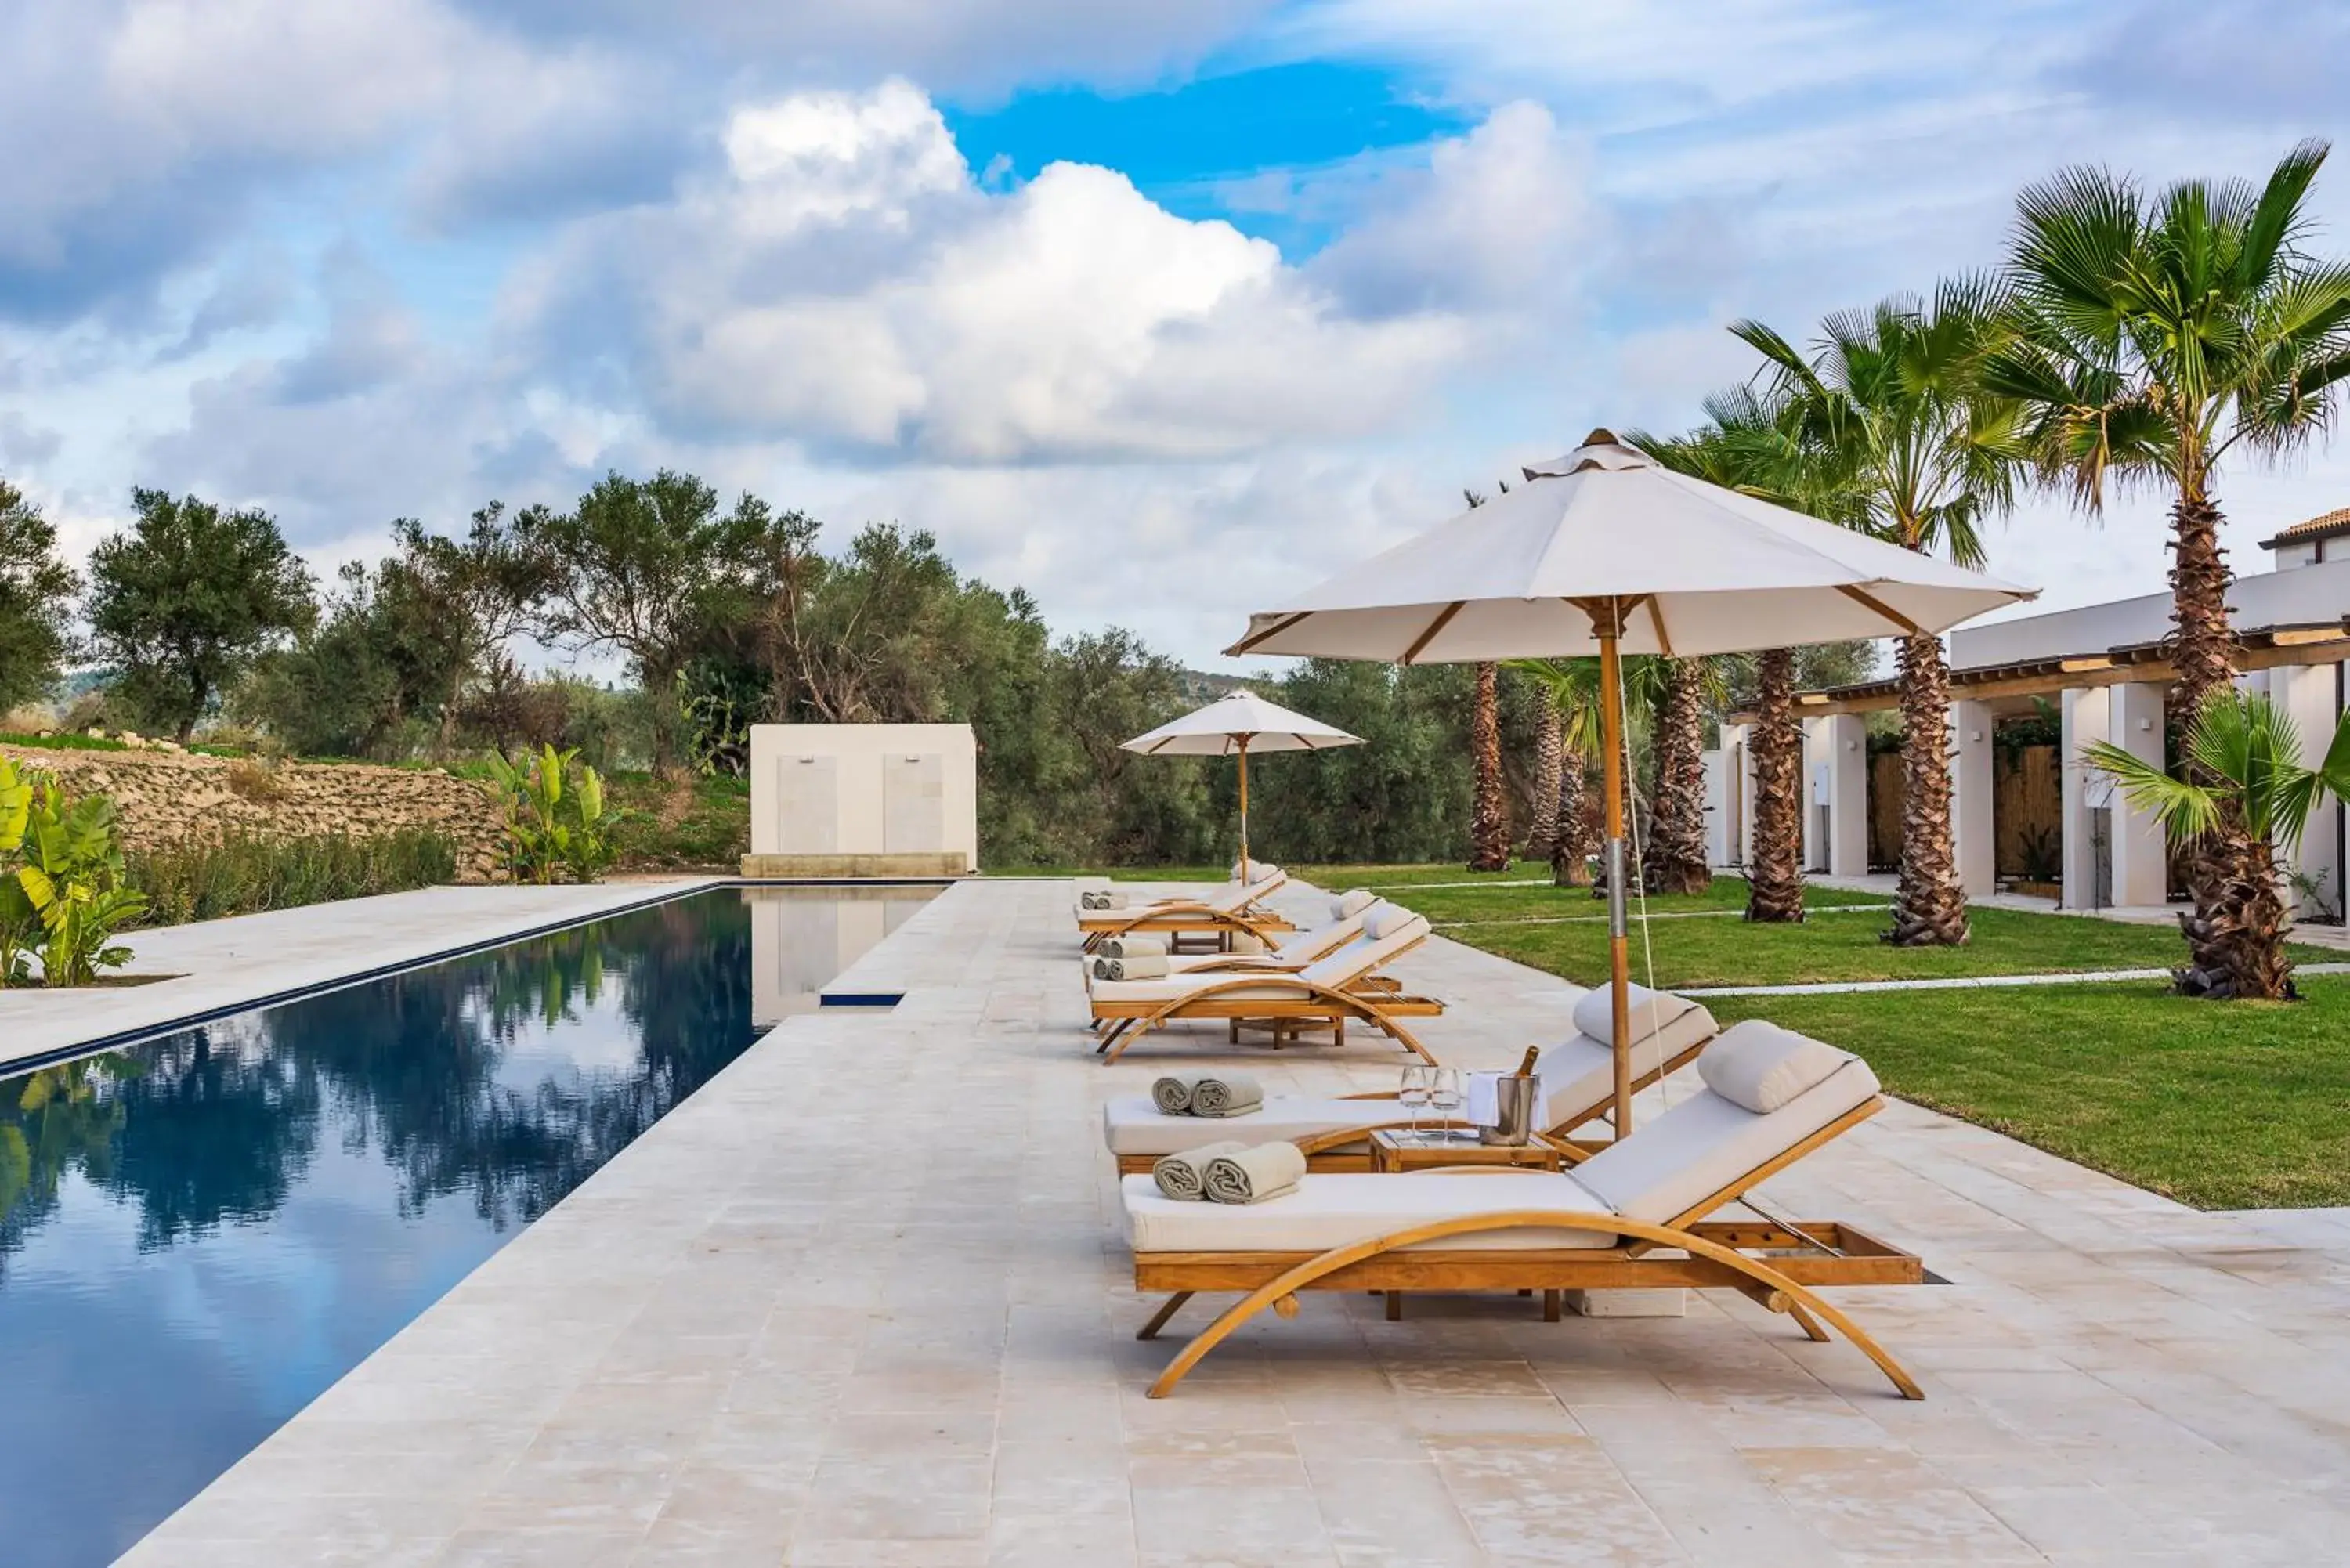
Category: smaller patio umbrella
[1233,725]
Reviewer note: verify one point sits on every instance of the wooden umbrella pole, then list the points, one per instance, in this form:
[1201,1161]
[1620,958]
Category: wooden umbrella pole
[1619,950]
[1245,864]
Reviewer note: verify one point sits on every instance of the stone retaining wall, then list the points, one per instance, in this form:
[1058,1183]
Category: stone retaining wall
[170,798]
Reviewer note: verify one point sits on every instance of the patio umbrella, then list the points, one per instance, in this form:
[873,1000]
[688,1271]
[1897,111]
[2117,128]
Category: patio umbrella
[1606,551]
[1233,725]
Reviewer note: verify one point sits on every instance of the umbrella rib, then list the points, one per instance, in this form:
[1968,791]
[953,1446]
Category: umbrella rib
[1657,619]
[1881,607]
[1444,619]
[1248,642]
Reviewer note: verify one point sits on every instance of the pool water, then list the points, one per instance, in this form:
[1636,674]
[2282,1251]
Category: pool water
[199,1234]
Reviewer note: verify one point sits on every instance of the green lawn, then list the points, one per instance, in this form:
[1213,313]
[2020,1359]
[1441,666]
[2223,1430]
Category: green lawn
[1836,947]
[2231,1104]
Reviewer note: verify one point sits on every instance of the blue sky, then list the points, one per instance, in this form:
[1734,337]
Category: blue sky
[1245,287]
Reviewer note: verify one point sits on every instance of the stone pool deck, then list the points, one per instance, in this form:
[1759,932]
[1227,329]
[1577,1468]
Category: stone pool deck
[863,1300]
[246,960]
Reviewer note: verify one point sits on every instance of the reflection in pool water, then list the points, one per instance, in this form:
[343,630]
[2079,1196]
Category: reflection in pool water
[200,1234]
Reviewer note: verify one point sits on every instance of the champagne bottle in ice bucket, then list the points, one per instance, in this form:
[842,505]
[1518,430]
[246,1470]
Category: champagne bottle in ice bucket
[1514,1095]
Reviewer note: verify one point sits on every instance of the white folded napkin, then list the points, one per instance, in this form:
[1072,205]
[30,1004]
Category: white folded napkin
[1483,1104]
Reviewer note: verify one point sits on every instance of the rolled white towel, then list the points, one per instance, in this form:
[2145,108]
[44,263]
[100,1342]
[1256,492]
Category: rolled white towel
[1185,1175]
[1255,1174]
[1141,966]
[1132,945]
[1226,1094]
[1173,1093]
[1101,901]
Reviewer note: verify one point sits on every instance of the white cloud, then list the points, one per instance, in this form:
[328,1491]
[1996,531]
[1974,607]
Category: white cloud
[845,283]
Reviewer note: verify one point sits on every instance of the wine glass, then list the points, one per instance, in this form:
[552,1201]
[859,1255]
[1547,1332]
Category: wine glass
[1414,1094]
[1444,1092]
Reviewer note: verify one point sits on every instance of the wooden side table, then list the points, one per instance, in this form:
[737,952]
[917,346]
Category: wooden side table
[1400,1149]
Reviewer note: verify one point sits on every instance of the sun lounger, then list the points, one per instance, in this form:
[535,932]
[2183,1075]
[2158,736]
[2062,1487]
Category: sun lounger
[1633,1217]
[1330,992]
[1292,952]
[1235,908]
[1577,1079]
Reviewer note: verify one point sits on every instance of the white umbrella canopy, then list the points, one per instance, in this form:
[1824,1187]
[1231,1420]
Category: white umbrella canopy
[1240,721]
[1606,551]
[1235,724]
[1696,568]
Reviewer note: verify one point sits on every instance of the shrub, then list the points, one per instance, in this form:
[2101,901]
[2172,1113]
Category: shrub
[243,874]
[64,891]
[250,780]
[555,819]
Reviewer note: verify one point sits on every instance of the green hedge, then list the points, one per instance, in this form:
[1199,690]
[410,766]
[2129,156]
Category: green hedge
[243,874]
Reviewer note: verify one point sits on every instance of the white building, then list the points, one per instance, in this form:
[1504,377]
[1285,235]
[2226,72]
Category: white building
[2105,668]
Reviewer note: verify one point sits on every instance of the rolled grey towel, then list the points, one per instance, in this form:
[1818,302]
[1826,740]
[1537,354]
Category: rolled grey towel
[1173,1093]
[1185,1175]
[1255,1174]
[1132,946]
[1141,966]
[1102,901]
[1226,1094]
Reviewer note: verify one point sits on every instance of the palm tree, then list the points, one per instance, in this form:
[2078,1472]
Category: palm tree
[1683,689]
[1747,444]
[1890,406]
[2247,772]
[1550,760]
[2154,334]
[1489,820]
[1569,692]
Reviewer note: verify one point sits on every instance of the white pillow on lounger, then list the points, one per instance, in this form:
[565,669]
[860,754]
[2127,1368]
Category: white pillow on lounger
[1760,1066]
[1595,1012]
[1346,906]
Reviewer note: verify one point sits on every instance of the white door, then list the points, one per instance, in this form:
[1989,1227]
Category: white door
[807,804]
[913,804]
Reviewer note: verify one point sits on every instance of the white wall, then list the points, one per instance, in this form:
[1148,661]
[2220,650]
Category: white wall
[2311,696]
[2086,712]
[1835,771]
[2141,868]
[856,789]
[1973,787]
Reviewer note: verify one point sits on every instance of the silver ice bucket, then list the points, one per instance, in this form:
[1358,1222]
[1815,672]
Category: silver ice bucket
[1513,1101]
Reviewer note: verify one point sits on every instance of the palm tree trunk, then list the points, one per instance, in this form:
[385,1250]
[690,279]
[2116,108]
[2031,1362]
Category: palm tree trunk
[2237,940]
[1677,819]
[1568,844]
[1931,908]
[2233,948]
[1489,826]
[1775,889]
[1549,749]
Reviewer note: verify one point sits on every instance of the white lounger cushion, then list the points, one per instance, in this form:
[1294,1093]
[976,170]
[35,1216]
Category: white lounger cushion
[1762,1067]
[1350,962]
[1227,899]
[1706,1143]
[1662,1011]
[1131,1124]
[1578,1075]
[1333,1210]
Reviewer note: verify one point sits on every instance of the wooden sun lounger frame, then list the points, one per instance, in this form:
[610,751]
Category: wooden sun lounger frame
[1340,1149]
[1369,998]
[1713,1255]
[1184,917]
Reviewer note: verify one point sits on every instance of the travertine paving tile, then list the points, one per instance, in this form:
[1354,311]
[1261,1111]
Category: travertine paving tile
[864,1301]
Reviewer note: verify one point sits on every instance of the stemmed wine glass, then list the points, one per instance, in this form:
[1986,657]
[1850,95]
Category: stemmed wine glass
[1415,1092]
[1445,1094]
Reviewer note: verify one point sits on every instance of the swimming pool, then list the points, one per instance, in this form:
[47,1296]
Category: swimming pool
[199,1234]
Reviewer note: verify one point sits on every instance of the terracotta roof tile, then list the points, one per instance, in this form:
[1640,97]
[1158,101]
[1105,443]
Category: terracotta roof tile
[2318,527]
